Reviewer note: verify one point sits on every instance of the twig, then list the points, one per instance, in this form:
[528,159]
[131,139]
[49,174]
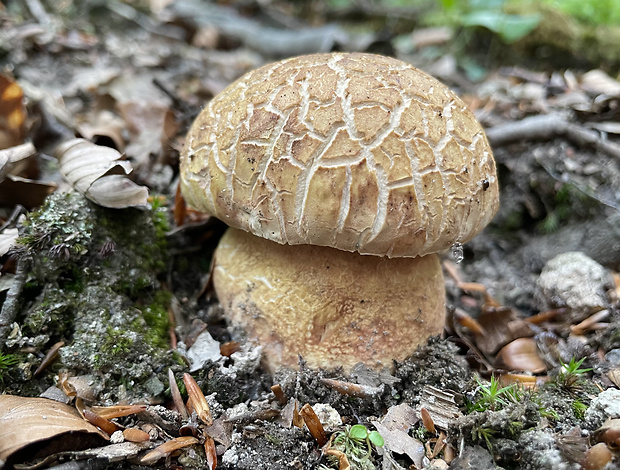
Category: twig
[548,126]
[11,303]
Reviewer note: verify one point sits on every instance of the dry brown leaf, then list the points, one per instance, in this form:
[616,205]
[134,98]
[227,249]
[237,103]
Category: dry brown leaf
[29,193]
[26,421]
[12,113]
[501,325]
[521,355]
[93,171]
[343,461]
[394,429]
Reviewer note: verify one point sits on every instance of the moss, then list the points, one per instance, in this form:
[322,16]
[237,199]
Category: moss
[156,318]
[94,284]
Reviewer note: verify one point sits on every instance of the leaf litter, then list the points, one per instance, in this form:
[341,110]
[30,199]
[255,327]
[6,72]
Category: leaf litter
[500,332]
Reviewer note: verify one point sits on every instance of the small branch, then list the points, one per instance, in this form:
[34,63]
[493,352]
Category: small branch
[11,303]
[546,127]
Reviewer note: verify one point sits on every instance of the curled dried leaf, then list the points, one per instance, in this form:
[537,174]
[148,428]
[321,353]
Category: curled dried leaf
[94,171]
[24,421]
[521,355]
[343,461]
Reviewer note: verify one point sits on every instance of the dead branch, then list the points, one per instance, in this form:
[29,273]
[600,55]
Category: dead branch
[549,126]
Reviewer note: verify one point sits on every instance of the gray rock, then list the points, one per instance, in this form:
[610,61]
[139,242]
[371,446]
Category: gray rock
[575,281]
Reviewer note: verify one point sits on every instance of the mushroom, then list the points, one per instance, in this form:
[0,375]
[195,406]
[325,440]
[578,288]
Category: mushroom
[342,175]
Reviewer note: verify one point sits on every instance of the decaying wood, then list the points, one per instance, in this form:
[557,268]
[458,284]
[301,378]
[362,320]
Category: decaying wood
[549,126]
[441,406]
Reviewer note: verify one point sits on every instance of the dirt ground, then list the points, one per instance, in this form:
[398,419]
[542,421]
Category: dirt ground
[526,372]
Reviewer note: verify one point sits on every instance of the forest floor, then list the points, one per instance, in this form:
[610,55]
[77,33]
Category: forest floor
[110,299]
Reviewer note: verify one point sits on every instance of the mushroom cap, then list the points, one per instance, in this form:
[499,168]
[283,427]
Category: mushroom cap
[355,151]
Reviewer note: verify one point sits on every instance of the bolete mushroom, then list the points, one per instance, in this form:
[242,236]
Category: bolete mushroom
[350,172]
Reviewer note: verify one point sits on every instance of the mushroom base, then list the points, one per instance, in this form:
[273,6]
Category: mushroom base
[332,307]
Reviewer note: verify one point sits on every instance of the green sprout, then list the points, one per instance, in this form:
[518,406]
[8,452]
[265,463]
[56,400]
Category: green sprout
[7,361]
[579,409]
[494,397]
[571,374]
[356,443]
[483,434]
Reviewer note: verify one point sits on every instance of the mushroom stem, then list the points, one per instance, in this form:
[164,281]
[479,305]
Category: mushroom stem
[332,307]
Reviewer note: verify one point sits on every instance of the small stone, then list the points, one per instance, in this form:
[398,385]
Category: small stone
[575,281]
[154,386]
[117,437]
[608,402]
[205,348]
[327,415]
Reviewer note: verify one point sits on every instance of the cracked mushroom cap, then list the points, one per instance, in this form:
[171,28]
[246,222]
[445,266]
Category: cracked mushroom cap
[355,151]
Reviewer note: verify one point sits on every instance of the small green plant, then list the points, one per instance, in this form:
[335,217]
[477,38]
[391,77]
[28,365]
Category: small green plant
[488,14]
[481,433]
[571,375]
[7,361]
[579,409]
[493,396]
[356,443]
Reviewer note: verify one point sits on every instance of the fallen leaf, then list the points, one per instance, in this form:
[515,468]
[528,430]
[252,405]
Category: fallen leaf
[521,355]
[11,157]
[7,240]
[12,113]
[394,429]
[27,423]
[91,169]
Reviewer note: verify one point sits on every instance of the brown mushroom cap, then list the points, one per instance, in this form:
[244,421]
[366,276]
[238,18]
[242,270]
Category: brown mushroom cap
[355,151]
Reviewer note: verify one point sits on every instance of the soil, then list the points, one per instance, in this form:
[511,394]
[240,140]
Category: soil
[114,284]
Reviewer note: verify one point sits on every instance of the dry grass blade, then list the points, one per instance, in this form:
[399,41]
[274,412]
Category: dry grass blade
[109,412]
[199,402]
[93,170]
[314,424]
[298,421]
[343,461]
[167,448]
[464,319]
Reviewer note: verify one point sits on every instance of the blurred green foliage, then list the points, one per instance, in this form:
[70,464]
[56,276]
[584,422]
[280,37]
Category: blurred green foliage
[593,12]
